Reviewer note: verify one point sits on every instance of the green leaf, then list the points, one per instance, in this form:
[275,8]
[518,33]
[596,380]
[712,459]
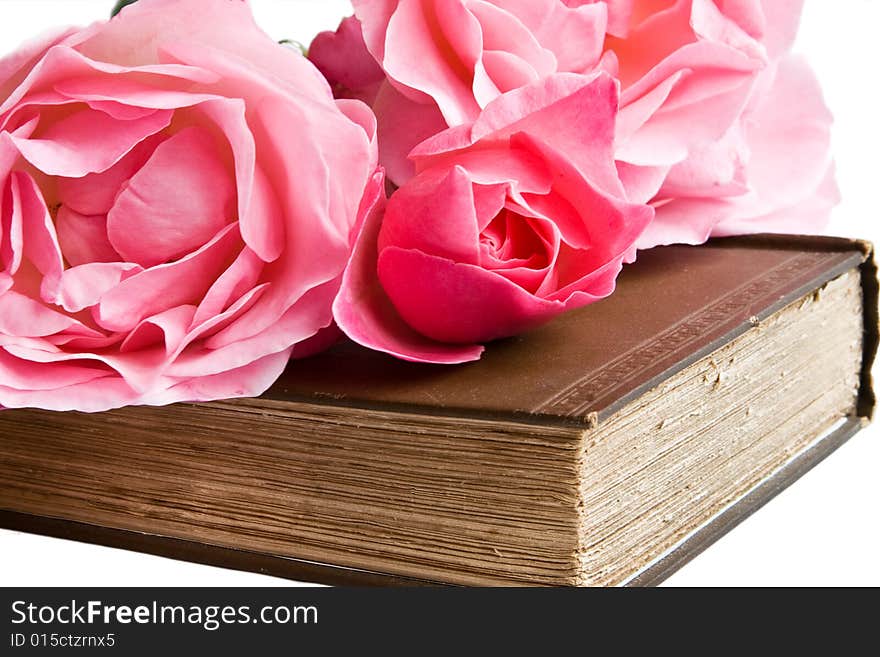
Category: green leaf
[122,4]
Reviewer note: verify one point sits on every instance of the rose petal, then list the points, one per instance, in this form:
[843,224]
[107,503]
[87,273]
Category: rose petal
[21,374]
[364,312]
[415,55]
[83,238]
[343,58]
[250,380]
[436,215]
[571,113]
[175,284]
[16,64]
[168,329]
[458,303]
[176,203]
[241,277]
[95,193]
[39,240]
[402,125]
[319,203]
[83,286]
[88,141]
[22,316]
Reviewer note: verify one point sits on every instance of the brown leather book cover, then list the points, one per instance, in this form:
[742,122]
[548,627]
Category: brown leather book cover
[671,307]
[72,475]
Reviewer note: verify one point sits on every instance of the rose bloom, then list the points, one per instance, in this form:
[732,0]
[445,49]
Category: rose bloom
[720,128]
[177,198]
[508,222]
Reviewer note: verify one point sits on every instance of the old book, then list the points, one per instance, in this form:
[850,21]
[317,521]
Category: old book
[605,448]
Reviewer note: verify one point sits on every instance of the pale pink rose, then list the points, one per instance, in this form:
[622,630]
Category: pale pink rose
[178,195]
[772,171]
[721,129]
[509,221]
[445,60]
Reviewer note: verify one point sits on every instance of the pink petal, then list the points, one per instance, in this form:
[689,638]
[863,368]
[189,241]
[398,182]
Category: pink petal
[416,55]
[364,312]
[641,182]
[22,316]
[571,113]
[24,375]
[713,169]
[131,93]
[789,135]
[807,216]
[16,64]
[343,58]
[95,193]
[782,18]
[11,227]
[63,63]
[179,283]
[39,240]
[260,219]
[360,113]
[321,341]
[692,97]
[434,214]
[83,239]
[587,217]
[92,396]
[88,141]
[304,319]
[503,32]
[458,303]
[250,380]
[168,329]
[152,30]
[176,203]
[241,276]
[402,125]
[83,286]
[619,13]
[574,34]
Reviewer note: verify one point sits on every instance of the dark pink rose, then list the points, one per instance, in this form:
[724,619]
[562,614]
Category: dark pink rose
[178,195]
[509,221]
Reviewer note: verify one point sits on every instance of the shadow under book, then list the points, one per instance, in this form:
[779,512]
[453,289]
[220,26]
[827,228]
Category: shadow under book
[608,447]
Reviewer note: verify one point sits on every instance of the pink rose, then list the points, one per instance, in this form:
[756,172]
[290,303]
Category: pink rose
[445,60]
[509,221]
[177,198]
[698,78]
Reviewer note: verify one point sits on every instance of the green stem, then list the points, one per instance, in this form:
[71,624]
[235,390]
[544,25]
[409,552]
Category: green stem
[122,4]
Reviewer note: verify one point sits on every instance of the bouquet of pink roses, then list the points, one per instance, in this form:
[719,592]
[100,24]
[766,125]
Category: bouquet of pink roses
[185,204]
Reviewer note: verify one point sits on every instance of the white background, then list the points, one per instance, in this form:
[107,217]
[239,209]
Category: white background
[823,531]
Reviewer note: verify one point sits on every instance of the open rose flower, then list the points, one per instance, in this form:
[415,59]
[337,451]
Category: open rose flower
[703,83]
[509,221]
[177,198]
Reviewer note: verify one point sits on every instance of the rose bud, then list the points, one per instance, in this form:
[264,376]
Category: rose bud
[508,222]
